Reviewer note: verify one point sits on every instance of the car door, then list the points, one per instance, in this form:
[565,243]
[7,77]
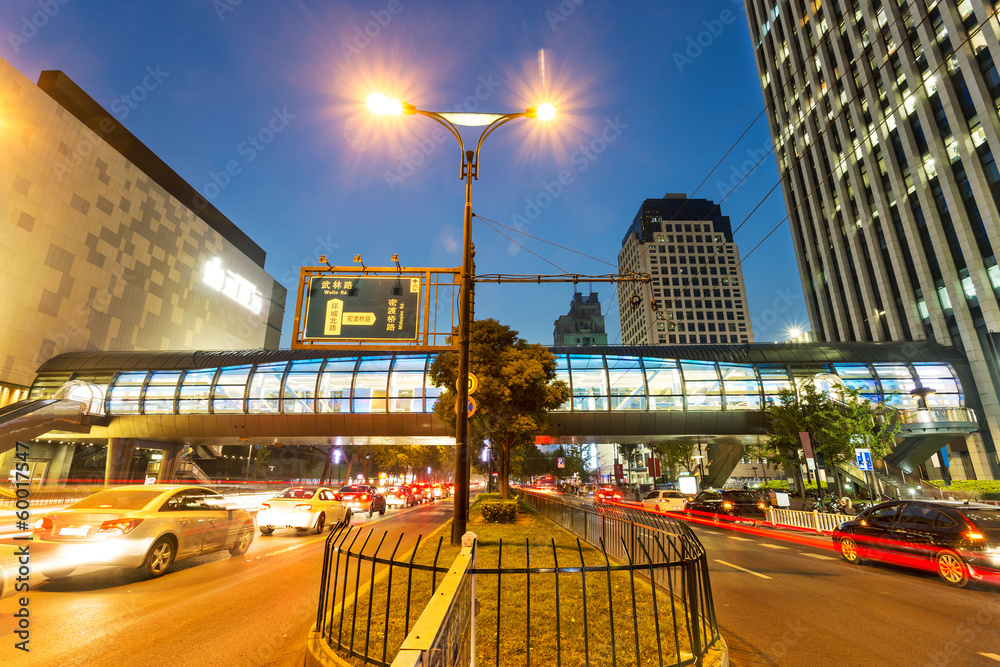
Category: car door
[914,531]
[875,533]
[650,499]
[222,528]
[191,520]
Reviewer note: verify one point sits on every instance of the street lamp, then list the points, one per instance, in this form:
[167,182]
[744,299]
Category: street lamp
[382,105]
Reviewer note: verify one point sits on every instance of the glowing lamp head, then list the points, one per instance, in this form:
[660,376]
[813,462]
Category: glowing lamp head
[541,112]
[381,105]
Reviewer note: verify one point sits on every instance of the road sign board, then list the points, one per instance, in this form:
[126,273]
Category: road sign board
[471,406]
[560,462]
[863,457]
[473,383]
[361,308]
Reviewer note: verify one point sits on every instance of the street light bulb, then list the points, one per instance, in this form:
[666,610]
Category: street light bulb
[545,111]
[542,112]
[381,105]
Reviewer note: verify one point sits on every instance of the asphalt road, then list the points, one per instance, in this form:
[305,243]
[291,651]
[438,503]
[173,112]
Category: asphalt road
[211,610]
[779,602]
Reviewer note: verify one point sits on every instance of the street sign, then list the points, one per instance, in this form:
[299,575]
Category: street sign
[473,383]
[471,406]
[560,462]
[361,308]
[863,458]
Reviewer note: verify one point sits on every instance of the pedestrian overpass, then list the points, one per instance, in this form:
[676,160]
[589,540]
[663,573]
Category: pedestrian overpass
[711,395]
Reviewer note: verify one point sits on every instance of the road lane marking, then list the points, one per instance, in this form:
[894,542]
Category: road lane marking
[741,539]
[743,569]
[992,656]
[818,556]
[773,546]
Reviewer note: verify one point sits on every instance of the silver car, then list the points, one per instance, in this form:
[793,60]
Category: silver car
[145,527]
[302,507]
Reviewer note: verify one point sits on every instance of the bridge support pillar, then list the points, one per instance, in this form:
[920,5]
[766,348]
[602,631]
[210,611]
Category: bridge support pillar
[116,467]
[168,464]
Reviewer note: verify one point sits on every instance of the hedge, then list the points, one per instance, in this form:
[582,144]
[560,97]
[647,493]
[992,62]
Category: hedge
[494,496]
[499,511]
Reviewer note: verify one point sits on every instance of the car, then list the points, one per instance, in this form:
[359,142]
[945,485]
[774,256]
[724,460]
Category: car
[665,501]
[440,490]
[958,540]
[423,491]
[362,498]
[607,495]
[147,527]
[730,503]
[303,508]
[400,496]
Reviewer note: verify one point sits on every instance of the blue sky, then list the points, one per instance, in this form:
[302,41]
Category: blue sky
[651,96]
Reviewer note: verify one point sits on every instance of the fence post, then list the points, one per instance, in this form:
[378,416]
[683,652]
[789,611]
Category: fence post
[816,521]
[693,611]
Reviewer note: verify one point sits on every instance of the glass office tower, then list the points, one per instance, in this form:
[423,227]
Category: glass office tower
[884,122]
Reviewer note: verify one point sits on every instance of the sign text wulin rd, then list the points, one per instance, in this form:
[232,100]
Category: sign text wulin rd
[361,308]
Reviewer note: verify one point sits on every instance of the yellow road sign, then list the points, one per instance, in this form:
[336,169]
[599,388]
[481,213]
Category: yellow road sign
[473,383]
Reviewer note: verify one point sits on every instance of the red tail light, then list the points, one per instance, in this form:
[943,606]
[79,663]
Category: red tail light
[364,496]
[338,496]
[265,506]
[43,525]
[119,526]
[303,507]
[973,536]
[618,496]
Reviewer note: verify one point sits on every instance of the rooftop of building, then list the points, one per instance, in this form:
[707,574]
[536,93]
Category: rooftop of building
[677,207]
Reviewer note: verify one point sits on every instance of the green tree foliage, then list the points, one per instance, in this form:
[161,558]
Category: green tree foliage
[517,387]
[674,458]
[837,423]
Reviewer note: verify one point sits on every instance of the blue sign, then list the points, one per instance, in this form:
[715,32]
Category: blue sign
[864,459]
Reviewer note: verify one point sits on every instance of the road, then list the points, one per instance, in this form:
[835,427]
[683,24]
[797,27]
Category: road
[211,610]
[783,603]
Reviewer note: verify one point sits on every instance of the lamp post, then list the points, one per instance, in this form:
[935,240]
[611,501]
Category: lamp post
[382,105]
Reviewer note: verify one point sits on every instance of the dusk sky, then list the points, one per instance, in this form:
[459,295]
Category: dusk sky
[651,96]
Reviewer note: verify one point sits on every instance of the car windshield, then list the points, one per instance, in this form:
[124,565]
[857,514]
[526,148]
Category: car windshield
[748,496]
[118,499]
[983,518]
[297,494]
[353,489]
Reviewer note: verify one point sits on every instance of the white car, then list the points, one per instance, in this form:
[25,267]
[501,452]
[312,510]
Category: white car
[665,501]
[304,508]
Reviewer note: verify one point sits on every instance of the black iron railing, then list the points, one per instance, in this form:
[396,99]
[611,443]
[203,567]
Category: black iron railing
[579,606]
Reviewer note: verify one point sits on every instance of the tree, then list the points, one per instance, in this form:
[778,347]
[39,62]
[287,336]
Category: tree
[836,423]
[674,457]
[517,387]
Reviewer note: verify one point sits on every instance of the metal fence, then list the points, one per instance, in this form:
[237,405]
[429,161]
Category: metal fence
[659,548]
[821,522]
[538,603]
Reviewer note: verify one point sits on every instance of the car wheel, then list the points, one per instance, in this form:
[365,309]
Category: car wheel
[371,510]
[266,530]
[952,569]
[320,523]
[60,573]
[849,551]
[242,543]
[382,511]
[159,558]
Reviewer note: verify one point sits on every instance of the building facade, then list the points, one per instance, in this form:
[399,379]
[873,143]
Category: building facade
[107,248]
[583,326]
[885,130]
[696,295]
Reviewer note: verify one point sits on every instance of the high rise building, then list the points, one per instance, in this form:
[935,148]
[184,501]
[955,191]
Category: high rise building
[696,295]
[883,117]
[583,326]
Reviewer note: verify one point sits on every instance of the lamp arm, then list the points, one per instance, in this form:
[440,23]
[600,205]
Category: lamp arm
[433,115]
[489,130]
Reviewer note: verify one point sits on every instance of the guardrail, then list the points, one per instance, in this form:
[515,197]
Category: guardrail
[368,595]
[625,533]
[821,522]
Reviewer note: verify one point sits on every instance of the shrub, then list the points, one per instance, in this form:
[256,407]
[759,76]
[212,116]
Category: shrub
[493,496]
[498,511]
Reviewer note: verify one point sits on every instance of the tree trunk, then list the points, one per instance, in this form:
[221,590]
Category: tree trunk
[504,471]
